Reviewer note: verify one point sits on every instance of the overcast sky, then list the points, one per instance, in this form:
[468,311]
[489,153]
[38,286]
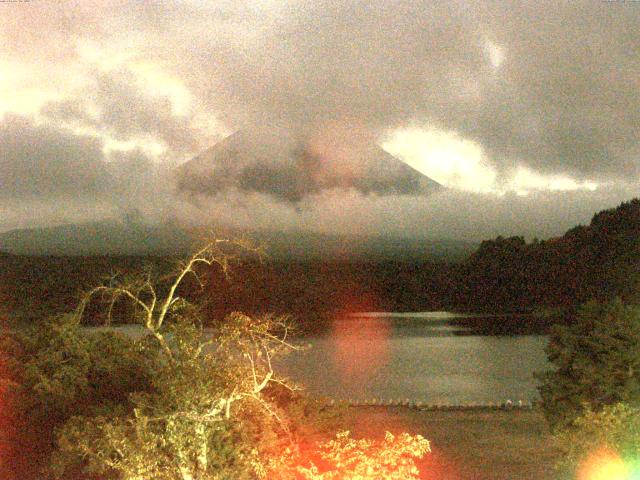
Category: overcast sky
[528,112]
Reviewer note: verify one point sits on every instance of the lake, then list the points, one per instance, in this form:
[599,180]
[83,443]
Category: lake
[423,356]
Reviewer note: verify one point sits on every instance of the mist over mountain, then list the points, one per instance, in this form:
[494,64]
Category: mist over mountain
[507,106]
[280,164]
[122,238]
[306,273]
[289,166]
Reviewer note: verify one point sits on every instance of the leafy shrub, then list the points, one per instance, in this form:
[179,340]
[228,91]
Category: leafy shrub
[596,360]
[209,414]
[57,370]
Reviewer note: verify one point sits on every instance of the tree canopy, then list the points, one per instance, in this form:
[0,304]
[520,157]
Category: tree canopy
[596,362]
[178,401]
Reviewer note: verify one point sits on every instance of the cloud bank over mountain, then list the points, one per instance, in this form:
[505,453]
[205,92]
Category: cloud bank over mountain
[527,112]
[289,167]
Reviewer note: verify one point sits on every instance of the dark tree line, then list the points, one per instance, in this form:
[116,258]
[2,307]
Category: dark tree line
[599,261]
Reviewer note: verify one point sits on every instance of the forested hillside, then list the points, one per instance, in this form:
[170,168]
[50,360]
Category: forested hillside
[33,287]
[601,261]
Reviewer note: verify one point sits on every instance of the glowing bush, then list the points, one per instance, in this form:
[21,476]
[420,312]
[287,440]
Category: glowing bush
[345,458]
[602,445]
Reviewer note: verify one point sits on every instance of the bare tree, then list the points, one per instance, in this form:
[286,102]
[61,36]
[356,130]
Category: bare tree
[205,388]
[143,291]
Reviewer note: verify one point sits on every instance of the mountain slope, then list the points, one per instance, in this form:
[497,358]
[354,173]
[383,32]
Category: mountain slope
[598,261]
[121,238]
[95,238]
[290,169]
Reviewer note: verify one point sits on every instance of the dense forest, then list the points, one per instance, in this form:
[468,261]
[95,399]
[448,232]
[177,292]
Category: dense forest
[599,261]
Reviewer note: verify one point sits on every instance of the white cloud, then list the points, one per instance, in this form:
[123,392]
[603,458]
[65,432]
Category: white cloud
[22,89]
[525,180]
[494,53]
[159,83]
[462,164]
[444,156]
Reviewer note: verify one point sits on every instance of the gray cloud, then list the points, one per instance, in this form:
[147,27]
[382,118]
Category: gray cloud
[129,111]
[39,161]
[141,184]
[49,175]
[446,214]
[126,111]
[49,191]
[68,110]
[564,100]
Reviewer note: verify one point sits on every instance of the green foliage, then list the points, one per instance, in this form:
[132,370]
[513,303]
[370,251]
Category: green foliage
[614,431]
[214,412]
[209,413]
[601,261]
[180,402]
[596,360]
[57,370]
[59,366]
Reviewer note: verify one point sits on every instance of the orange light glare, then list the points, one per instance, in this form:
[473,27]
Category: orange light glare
[360,347]
[604,464]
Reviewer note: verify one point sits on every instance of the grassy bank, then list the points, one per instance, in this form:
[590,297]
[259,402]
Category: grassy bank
[469,445]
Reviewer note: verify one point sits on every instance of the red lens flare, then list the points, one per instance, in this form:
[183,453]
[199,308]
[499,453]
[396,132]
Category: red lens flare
[360,346]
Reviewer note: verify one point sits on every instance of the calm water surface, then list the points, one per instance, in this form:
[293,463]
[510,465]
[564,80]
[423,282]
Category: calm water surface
[419,357]
[416,356]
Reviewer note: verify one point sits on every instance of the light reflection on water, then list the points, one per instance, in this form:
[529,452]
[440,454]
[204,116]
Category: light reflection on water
[421,362]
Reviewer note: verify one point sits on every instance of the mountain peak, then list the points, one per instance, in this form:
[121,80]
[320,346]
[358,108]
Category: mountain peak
[291,167]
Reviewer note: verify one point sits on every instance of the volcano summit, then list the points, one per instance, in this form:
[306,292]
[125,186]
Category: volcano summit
[290,168]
